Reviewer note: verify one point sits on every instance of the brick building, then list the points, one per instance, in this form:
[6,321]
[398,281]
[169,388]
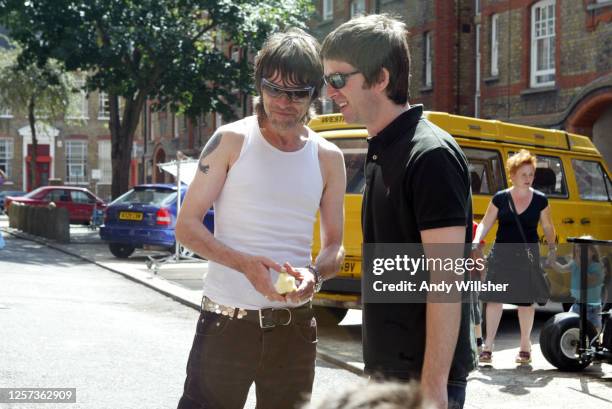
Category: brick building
[73,152]
[546,63]
[78,151]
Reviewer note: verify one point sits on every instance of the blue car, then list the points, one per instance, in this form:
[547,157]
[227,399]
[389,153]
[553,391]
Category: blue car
[144,217]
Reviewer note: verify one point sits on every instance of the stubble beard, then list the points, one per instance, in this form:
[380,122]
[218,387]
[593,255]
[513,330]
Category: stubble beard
[286,124]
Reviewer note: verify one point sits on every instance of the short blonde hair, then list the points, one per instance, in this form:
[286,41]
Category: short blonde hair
[522,157]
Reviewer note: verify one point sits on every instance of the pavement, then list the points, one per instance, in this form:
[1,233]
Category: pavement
[501,385]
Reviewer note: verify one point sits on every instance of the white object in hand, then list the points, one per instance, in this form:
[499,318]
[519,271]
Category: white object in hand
[285,283]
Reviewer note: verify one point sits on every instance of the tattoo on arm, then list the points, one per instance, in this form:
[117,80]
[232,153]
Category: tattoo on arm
[212,144]
[203,168]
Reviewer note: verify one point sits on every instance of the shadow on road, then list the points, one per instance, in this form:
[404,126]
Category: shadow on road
[523,379]
[22,251]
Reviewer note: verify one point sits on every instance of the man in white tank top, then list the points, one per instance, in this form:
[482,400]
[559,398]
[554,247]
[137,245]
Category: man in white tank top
[267,176]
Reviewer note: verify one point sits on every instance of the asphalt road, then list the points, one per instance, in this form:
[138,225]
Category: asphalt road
[65,323]
[502,385]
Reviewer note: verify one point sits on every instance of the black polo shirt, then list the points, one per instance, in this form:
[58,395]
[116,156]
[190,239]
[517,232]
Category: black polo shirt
[417,178]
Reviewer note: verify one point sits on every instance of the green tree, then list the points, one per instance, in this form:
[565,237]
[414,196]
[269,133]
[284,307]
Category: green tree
[40,93]
[164,50]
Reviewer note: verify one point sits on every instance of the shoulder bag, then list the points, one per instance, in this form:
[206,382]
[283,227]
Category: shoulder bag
[539,281]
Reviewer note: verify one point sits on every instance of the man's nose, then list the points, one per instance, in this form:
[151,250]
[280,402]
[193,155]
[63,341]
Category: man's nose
[284,99]
[331,91]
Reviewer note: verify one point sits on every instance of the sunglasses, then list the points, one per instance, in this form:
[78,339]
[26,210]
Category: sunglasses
[338,80]
[294,94]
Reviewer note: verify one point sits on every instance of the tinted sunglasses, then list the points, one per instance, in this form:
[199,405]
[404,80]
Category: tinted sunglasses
[294,94]
[338,80]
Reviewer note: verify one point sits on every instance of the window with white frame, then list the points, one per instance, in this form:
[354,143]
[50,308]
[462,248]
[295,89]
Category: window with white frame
[78,108]
[495,45]
[543,43]
[76,161]
[6,156]
[104,162]
[427,47]
[328,9]
[358,8]
[103,106]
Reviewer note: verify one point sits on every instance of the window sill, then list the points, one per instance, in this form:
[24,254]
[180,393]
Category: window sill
[597,6]
[542,90]
[427,88]
[103,118]
[491,79]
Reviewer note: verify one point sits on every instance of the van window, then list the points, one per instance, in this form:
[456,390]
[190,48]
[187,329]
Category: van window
[486,173]
[354,150]
[593,183]
[550,177]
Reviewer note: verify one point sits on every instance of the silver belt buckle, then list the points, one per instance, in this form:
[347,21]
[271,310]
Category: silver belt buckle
[262,314]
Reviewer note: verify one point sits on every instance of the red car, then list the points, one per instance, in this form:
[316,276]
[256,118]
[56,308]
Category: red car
[79,201]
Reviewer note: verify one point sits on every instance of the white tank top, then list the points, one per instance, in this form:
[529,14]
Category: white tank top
[267,207]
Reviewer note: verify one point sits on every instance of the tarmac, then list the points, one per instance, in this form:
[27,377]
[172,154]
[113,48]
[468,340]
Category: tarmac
[502,385]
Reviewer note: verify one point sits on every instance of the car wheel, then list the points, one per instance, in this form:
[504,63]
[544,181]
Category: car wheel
[121,250]
[329,316]
[559,340]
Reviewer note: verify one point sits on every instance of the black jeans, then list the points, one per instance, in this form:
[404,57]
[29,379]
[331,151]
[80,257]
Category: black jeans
[228,355]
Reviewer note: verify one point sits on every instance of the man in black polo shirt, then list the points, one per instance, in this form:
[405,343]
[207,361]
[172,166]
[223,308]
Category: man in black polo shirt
[417,191]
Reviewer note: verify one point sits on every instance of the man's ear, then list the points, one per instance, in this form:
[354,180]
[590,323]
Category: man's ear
[382,81]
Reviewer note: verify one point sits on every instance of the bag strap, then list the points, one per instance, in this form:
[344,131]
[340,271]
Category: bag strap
[520,226]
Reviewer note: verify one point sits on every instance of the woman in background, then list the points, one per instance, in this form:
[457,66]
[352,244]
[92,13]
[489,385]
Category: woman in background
[510,263]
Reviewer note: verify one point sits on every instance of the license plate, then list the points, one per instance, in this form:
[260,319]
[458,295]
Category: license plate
[130,216]
[350,267]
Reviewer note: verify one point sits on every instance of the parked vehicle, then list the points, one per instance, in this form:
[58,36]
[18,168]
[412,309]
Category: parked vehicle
[79,201]
[144,217]
[570,171]
[5,193]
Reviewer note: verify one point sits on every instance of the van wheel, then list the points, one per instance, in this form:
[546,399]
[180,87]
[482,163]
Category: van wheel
[329,316]
[120,250]
[559,340]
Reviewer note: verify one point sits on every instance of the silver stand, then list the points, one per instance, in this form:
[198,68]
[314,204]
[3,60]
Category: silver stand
[181,253]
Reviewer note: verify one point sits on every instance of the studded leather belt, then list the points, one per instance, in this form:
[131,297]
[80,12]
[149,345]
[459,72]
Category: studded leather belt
[265,318]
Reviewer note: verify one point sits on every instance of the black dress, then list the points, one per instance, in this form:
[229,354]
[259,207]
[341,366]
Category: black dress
[507,262]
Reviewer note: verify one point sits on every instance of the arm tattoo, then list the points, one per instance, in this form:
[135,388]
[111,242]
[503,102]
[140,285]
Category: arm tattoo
[212,144]
[203,168]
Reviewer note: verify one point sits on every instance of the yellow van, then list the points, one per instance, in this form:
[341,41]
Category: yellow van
[570,171]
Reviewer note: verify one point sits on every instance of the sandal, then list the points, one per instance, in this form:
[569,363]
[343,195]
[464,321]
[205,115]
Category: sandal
[485,357]
[523,357]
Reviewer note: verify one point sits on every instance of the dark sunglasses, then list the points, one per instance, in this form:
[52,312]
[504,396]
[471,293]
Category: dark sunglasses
[337,80]
[294,94]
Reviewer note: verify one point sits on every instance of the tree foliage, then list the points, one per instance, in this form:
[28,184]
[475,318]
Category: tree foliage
[35,92]
[164,50]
